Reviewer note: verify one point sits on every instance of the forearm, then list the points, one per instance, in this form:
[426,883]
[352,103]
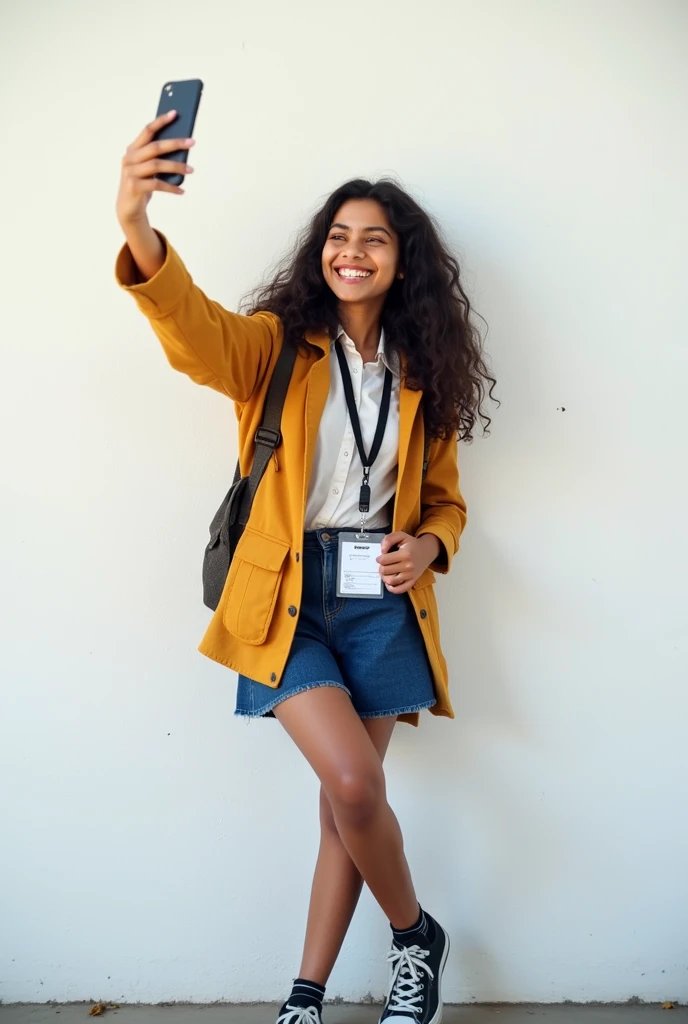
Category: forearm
[445,534]
[147,250]
[443,509]
[430,546]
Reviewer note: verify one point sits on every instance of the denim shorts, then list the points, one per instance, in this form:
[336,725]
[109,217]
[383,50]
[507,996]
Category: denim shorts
[372,649]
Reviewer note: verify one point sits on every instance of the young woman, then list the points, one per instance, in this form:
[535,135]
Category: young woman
[372,301]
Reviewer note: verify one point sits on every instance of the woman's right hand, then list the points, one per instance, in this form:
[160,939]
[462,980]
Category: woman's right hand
[144,159]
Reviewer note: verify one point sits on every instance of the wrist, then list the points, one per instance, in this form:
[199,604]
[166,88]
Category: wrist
[431,545]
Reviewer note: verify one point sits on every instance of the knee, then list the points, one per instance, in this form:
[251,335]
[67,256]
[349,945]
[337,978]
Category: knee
[355,796]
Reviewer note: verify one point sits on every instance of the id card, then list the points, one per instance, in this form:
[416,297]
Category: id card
[358,572]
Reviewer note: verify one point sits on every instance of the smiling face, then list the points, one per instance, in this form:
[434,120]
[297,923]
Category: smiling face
[361,255]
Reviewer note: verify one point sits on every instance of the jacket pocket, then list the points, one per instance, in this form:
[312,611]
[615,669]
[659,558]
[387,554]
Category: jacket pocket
[253,584]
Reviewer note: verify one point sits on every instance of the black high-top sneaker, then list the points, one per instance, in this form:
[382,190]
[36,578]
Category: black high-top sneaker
[415,988]
[290,1014]
[304,1005]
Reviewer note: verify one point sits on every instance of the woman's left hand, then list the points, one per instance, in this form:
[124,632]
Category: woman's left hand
[400,569]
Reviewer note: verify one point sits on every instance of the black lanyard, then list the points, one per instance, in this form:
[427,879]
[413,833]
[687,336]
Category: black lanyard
[366,460]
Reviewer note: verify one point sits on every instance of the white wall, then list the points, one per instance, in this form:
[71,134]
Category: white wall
[148,851]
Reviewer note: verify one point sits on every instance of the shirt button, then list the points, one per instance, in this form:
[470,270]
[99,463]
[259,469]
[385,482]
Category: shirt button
[346,455]
[355,369]
[423,613]
[292,610]
[335,490]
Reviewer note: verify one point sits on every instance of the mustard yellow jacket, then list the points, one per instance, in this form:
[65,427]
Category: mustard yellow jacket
[252,628]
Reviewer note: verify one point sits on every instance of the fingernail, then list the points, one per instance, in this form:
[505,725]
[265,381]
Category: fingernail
[172,113]
[189,170]
[189,142]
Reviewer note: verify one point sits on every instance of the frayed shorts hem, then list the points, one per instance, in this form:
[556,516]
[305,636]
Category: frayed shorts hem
[266,710]
[263,711]
[395,712]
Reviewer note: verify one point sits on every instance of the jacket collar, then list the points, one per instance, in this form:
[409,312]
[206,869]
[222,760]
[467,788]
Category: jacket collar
[391,359]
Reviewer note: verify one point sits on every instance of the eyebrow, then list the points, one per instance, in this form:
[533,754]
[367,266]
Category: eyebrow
[373,228]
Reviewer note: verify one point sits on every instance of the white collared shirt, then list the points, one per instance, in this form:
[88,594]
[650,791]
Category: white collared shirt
[337,474]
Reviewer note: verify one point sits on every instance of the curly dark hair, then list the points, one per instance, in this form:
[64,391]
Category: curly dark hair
[427,317]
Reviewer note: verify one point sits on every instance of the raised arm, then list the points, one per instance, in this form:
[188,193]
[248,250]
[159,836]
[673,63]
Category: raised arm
[223,350]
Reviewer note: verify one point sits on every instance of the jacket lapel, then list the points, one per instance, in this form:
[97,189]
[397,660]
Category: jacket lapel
[317,390]
[408,408]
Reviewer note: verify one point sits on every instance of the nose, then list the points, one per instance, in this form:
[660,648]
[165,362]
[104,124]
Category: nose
[353,251]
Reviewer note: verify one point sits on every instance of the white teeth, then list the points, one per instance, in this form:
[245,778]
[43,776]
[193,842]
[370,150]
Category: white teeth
[346,272]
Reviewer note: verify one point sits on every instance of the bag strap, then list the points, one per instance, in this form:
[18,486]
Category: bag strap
[269,434]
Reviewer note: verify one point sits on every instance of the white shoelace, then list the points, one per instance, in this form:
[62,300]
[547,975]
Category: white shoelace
[299,1015]
[406,989]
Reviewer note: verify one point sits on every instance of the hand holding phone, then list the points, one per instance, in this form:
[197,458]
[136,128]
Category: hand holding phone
[156,160]
[184,98]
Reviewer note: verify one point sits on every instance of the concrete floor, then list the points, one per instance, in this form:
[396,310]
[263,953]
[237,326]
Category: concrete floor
[77,1013]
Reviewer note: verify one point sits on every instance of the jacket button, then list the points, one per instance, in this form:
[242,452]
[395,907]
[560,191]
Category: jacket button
[273,678]
[292,610]
[423,613]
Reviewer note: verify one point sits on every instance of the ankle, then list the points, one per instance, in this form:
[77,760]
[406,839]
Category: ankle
[307,993]
[423,928]
[408,924]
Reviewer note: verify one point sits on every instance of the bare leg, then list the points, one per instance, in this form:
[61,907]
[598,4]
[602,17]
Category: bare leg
[323,724]
[337,882]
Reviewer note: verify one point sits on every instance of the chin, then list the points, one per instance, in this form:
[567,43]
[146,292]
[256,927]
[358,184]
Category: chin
[346,294]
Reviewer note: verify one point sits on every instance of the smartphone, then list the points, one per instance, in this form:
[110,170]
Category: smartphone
[184,97]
